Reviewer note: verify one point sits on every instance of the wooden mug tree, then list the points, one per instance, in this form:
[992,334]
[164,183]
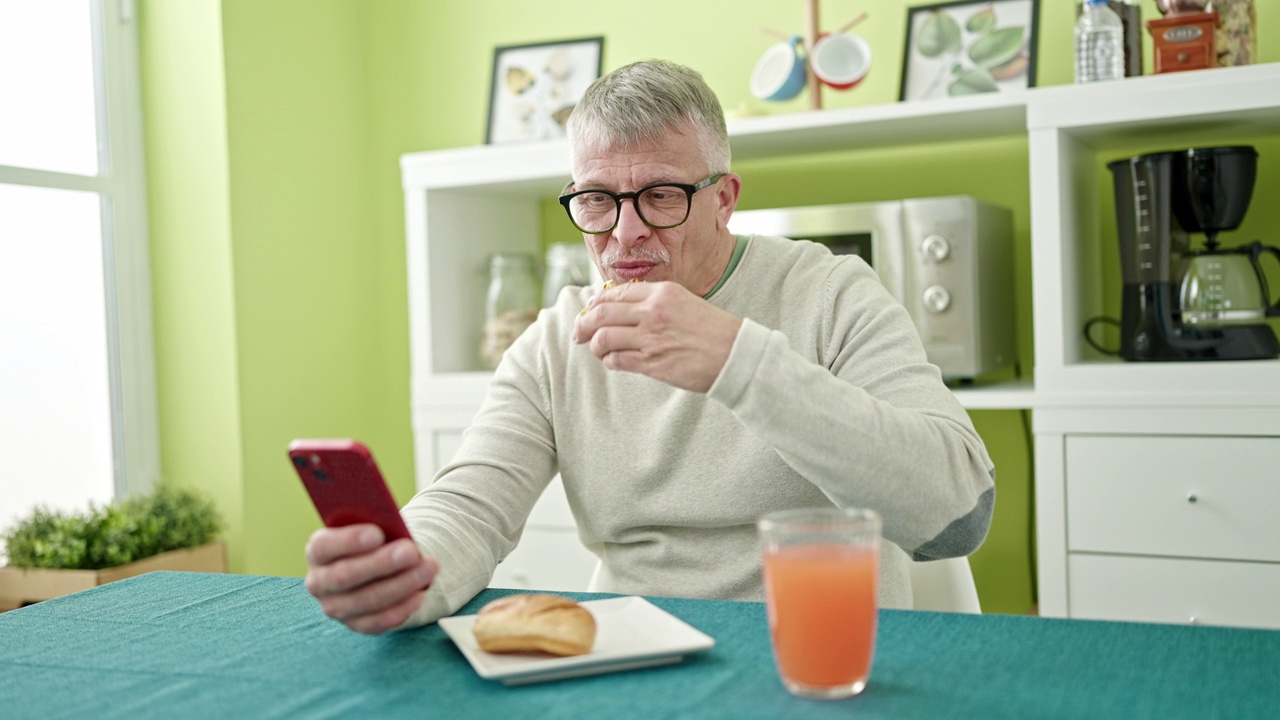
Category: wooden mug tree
[811,35]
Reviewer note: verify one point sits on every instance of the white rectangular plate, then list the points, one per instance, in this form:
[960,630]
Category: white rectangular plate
[631,633]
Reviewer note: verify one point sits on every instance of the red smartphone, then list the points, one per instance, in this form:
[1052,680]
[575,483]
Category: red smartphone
[345,485]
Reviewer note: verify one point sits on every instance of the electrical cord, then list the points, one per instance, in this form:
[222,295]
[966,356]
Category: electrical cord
[1088,327]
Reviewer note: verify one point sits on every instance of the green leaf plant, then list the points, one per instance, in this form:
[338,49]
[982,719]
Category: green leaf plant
[169,518]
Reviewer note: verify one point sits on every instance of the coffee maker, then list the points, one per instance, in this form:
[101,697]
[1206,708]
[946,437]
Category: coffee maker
[1181,303]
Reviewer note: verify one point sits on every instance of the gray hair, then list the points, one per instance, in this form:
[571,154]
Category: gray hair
[645,101]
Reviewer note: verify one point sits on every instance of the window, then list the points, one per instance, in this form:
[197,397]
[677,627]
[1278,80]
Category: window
[77,387]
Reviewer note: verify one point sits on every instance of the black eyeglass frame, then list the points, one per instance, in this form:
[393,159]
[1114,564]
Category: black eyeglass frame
[689,191]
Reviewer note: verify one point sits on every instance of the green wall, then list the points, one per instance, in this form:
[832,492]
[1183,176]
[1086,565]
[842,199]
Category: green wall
[274,131]
[185,121]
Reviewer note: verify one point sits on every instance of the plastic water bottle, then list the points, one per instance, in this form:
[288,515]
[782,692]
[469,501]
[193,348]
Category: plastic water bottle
[1099,43]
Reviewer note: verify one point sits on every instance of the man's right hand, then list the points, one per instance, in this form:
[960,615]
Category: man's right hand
[369,586]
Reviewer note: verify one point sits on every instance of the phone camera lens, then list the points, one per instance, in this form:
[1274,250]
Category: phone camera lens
[298,462]
[320,474]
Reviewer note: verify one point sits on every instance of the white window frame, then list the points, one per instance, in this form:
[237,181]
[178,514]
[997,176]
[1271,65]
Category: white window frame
[121,184]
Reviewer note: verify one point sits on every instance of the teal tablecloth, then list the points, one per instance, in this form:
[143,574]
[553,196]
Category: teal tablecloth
[185,645]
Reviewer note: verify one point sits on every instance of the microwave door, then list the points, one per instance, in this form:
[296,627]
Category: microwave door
[872,230]
[888,253]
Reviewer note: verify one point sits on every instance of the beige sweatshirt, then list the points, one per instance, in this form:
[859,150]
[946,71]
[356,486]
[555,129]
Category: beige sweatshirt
[826,399]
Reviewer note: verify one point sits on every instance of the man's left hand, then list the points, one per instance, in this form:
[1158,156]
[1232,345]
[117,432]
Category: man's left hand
[661,330]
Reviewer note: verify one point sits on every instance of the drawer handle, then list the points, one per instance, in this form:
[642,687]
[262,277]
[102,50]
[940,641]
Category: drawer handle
[1191,498]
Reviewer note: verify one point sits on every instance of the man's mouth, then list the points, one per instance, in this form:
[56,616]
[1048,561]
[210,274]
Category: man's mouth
[631,271]
[634,264]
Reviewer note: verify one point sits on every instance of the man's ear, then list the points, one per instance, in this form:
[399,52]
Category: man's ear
[727,191]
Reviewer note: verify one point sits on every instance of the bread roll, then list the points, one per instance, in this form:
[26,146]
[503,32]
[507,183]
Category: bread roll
[525,623]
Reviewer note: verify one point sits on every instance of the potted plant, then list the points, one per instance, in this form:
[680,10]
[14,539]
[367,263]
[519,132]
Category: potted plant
[52,553]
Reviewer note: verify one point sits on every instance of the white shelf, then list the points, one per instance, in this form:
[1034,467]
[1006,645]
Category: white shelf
[518,169]
[1241,99]
[879,126]
[1017,394]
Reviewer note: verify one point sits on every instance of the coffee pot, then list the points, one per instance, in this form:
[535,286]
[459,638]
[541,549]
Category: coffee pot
[1221,288]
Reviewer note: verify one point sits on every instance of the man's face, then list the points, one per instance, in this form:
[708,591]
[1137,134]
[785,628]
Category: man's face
[692,254]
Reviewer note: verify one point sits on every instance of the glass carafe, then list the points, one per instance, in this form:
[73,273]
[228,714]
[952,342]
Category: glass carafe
[1225,287]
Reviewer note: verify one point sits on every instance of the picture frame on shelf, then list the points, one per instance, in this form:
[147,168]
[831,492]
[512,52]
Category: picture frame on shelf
[536,86]
[966,47]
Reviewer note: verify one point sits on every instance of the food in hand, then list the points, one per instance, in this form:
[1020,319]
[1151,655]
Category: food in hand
[530,623]
[607,284]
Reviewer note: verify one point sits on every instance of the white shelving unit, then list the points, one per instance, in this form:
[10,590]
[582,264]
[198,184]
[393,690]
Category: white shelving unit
[463,204]
[1150,477]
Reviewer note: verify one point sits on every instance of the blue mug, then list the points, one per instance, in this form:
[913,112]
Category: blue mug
[780,73]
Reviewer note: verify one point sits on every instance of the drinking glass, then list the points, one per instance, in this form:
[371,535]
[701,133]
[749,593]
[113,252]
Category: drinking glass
[821,583]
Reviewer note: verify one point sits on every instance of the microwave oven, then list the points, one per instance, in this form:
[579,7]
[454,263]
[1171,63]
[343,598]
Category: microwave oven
[948,260]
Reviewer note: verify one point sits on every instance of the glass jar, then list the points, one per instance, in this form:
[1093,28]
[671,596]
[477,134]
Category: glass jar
[568,265]
[1236,37]
[511,304]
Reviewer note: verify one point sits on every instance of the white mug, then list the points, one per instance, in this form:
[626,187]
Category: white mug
[841,60]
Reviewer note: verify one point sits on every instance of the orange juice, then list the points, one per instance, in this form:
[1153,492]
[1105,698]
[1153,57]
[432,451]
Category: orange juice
[822,612]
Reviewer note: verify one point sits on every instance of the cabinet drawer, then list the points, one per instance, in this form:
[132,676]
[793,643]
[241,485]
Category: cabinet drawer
[1206,497]
[1171,590]
[1185,56]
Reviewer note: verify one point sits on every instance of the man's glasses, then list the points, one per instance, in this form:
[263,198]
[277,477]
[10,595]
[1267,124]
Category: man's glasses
[660,206]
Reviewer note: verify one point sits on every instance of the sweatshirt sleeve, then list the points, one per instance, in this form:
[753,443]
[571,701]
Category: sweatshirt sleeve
[473,513]
[872,424]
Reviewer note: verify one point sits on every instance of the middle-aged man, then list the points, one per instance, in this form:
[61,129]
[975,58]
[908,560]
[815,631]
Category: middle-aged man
[737,376]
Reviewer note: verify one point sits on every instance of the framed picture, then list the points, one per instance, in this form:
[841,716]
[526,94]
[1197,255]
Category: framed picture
[968,47]
[535,87]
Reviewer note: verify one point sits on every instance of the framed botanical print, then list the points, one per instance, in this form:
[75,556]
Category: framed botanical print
[968,47]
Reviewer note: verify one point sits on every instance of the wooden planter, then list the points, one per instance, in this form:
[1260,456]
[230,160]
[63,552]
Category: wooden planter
[20,586]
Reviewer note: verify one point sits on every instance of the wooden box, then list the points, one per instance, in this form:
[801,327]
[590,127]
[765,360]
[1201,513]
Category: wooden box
[1184,42]
[23,586]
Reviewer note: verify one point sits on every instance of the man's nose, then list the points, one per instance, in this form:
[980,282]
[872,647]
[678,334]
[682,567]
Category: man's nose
[631,230]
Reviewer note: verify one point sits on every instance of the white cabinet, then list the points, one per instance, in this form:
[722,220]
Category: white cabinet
[1173,528]
[1175,590]
[1196,496]
[463,204]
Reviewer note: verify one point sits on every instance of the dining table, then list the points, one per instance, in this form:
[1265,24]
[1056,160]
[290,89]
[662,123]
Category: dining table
[210,645]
